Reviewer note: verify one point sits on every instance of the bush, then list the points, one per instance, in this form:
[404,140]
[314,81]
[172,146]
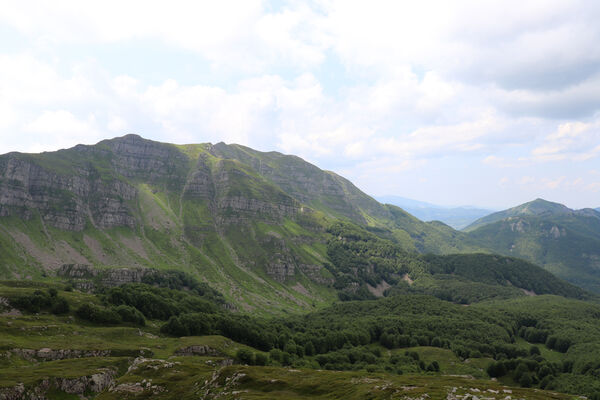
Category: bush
[39,301]
[131,314]
[525,380]
[433,367]
[245,356]
[260,359]
[60,306]
[496,369]
[98,314]
[174,327]
[275,354]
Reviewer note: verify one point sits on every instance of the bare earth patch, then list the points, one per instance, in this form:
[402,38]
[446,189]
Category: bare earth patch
[378,290]
[96,249]
[135,245]
[47,259]
[406,278]
[65,252]
[300,289]
[529,292]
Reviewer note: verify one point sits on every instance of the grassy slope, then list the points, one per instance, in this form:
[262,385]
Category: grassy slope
[573,256]
[175,230]
[202,376]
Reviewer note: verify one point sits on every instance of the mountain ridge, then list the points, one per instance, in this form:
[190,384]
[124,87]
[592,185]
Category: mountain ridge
[240,218]
[539,207]
[564,241]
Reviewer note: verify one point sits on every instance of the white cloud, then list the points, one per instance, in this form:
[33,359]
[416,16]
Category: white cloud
[526,180]
[553,183]
[361,87]
[61,129]
[577,141]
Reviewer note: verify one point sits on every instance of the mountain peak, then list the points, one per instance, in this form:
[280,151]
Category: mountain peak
[537,207]
[540,206]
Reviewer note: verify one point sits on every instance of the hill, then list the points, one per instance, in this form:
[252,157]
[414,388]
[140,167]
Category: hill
[144,269]
[151,340]
[456,217]
[566,242]
[253,224]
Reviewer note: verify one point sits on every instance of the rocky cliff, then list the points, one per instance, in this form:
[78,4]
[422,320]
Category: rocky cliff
[234,216]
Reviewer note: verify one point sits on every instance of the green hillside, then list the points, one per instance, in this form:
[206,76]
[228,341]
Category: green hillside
[138,269]
[160,340]
[250,223]
[565,242]
[539,207]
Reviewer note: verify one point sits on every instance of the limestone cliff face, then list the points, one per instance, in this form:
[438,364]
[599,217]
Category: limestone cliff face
[65,201]
[149,161]
[235,196]
[96,184]
[305,182]
[86,277]
[213,192]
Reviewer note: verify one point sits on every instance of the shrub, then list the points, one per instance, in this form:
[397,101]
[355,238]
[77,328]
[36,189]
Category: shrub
[98,314]
[174,327]
[60,306]
[260,359]
[245,356]
[131,314]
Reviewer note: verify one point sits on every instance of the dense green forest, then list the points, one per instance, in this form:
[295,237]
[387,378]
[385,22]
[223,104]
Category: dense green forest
[544,341]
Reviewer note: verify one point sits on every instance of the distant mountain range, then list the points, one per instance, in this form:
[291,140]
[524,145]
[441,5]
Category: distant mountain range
[564,241]
[456,217]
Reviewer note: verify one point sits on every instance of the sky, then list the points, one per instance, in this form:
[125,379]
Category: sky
[486,103]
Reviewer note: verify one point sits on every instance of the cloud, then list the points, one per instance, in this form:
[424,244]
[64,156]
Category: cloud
[502,162]
[358,87]
[229,33]
[62,129]
[576,141]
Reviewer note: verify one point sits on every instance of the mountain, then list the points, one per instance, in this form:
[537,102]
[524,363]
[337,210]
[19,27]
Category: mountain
[456,217]
[564,241]
[539,207]
[133,268]
[253,224]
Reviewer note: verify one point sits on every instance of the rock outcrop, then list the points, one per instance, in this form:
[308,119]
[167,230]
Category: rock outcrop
[95,383]
[197,350]
[86,277]
[65,199]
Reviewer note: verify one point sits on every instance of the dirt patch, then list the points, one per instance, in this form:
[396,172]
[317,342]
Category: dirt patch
[529,292]
[69,255]
[135,244]
[298,287]
[274,234]
[378,290]
[407,279]
[47,259]
[96,249]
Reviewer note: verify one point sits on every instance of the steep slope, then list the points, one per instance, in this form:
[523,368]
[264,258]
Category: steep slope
[134,202]
[366,266]
[336,197]
[566,242]
[539,207]
[250,223]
